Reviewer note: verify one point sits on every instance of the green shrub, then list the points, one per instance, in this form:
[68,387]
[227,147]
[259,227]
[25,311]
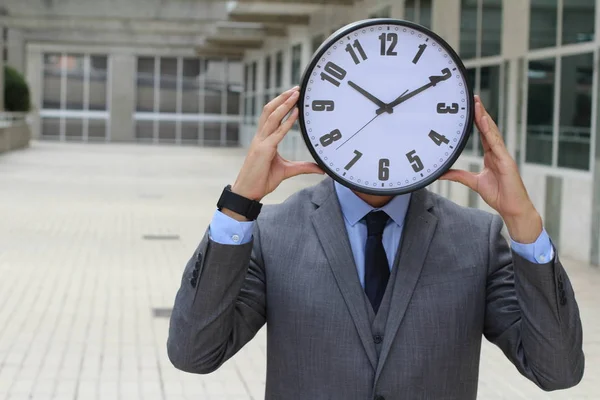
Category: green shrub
[16,91]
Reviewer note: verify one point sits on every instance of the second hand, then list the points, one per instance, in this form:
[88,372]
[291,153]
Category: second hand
[364,126]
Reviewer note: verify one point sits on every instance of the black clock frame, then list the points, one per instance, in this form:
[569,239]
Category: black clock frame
[407,24]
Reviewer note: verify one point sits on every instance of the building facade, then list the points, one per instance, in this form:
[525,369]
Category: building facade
[534,64]
[192,72]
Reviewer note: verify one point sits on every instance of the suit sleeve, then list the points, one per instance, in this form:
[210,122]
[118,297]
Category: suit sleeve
[532,315]
[220,306]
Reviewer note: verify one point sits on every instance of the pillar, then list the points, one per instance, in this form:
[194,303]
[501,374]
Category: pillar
[122,81]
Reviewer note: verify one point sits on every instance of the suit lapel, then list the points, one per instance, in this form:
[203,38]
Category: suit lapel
[417,235]
[331,231]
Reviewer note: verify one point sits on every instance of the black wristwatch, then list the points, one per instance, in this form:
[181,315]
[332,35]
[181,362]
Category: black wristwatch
[239,204]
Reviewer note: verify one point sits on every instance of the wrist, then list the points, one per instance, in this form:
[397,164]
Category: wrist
[525,227]
[234,215]
[245,192]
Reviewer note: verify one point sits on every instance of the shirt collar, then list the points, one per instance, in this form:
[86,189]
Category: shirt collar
[354,208]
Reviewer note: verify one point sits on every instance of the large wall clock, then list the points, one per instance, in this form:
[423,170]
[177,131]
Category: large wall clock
[385,107]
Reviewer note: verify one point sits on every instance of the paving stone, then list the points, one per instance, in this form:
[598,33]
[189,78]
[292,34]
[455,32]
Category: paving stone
[79,283]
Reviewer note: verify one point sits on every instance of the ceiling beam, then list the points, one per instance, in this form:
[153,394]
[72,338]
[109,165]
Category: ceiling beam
[99,24]
[234,53]
[234,42]
[321,2]
[287,19]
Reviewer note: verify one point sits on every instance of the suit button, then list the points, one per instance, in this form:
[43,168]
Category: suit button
[193,282]
[377,339]
[563,301]
[199,257]
[195,273]
[379,397]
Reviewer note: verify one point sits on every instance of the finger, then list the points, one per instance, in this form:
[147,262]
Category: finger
[301,168]
[488,129]
[274,120]
[271,106]
[277,136]
[469,179]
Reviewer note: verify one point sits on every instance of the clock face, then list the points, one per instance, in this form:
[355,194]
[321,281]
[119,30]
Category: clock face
[385,107]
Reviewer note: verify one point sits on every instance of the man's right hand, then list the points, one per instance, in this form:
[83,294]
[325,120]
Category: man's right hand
[264,169]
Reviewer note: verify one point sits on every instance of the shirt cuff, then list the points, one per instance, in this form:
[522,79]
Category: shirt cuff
[539,252]
[225,230]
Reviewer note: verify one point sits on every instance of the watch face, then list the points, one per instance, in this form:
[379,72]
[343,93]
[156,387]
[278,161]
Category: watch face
[385,107]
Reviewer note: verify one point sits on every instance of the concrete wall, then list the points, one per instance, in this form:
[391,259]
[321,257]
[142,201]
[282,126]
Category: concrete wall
[14,137]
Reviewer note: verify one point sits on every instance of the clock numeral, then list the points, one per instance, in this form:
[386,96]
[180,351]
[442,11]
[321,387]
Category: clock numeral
[388,37]
[415,161]
[384,170]
[358,47]
[334,73]
[357,156]
[329,138]
[442,108]
[323,105]
[437,138]
[419,53]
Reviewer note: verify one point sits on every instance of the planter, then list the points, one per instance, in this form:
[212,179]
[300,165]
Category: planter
[15,136]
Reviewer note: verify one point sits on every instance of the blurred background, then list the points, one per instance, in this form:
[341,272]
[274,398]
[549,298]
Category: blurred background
[122,120]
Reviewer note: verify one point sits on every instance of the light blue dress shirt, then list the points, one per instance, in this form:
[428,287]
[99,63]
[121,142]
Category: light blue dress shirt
[226,230]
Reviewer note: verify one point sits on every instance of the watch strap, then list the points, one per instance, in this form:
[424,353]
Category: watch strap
[239,204]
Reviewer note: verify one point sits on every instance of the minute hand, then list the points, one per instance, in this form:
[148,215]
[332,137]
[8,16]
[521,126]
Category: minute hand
[433,80]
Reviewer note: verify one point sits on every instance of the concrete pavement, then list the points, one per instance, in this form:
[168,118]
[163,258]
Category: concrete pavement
[93,241]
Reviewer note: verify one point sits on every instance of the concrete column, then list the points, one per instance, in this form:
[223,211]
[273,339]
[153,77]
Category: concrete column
[16,50]
[397,10]
[122,75]
[446,21]
[34,75]
[515,44]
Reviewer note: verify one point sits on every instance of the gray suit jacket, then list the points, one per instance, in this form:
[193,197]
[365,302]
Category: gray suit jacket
[456,280]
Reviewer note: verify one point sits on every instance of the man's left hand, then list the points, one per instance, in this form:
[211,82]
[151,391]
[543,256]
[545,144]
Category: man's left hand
[499,184]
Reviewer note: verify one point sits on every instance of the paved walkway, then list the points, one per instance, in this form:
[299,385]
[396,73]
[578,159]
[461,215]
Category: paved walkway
[79,283]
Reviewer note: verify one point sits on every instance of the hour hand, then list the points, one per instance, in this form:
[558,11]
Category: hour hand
[433,81]
[382,106]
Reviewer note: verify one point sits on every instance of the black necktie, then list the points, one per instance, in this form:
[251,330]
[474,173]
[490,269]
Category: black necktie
[377,269]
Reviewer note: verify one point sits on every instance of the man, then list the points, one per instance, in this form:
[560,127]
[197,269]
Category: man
[369,297]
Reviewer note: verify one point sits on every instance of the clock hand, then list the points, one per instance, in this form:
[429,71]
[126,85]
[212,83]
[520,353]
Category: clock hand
[369,96]
[433,81]
[364,126]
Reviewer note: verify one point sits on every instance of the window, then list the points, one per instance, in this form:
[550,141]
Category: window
[480,28]
[4,44]
[74,97]
[316,42]
[279,71]
[487,82]
[577,22]
[385,12]
[540,111]
[187,100]
[559,132]
[296,64]
[253,100]
[267,81]
[418,11]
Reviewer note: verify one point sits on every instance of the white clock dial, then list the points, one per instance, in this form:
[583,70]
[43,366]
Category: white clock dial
[385,107]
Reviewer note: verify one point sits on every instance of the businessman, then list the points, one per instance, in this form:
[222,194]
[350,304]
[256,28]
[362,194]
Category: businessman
[369,297]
